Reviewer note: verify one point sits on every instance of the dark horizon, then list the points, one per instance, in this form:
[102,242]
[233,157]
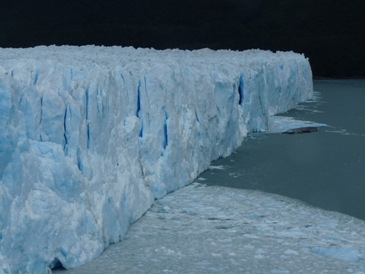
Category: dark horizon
[331,33]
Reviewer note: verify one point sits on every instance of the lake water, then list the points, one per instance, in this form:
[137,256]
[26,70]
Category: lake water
[223,224]
[324,169]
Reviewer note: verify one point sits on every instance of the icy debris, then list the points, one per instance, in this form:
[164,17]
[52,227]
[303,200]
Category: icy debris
[264,233]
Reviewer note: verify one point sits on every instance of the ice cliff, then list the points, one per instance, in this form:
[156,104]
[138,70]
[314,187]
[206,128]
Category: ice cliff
[90,136]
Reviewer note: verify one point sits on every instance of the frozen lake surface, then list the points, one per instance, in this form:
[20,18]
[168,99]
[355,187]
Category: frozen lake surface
[218,229]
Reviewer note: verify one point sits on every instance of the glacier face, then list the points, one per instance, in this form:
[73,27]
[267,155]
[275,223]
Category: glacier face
[90,136]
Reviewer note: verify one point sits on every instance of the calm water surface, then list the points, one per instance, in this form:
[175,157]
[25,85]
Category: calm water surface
[324,169]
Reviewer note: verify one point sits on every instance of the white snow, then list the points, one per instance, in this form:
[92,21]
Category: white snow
[90,136]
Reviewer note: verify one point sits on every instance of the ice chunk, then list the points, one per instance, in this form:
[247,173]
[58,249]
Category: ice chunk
[279,124]
[343,253]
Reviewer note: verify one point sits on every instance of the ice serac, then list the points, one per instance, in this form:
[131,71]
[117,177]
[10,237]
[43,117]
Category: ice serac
[90,136]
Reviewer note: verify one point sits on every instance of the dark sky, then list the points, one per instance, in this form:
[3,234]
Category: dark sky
[330,32]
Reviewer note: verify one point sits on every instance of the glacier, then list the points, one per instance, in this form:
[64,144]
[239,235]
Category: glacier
[91,136]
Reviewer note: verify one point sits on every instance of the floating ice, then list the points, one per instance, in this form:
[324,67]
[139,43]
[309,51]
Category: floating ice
[343,253]
[226,230]
[279,124]
[211,167]
[90,136]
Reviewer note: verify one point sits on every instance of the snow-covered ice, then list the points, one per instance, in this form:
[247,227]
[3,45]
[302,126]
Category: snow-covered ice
[200,229]
[90,136]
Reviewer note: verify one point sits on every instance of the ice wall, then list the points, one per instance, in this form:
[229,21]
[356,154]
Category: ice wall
[90,136]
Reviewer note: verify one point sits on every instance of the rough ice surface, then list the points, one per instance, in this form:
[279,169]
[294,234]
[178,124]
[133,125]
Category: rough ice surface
[90,136]
[200,229]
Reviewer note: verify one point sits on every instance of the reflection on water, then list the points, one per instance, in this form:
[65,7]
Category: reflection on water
[324,169]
